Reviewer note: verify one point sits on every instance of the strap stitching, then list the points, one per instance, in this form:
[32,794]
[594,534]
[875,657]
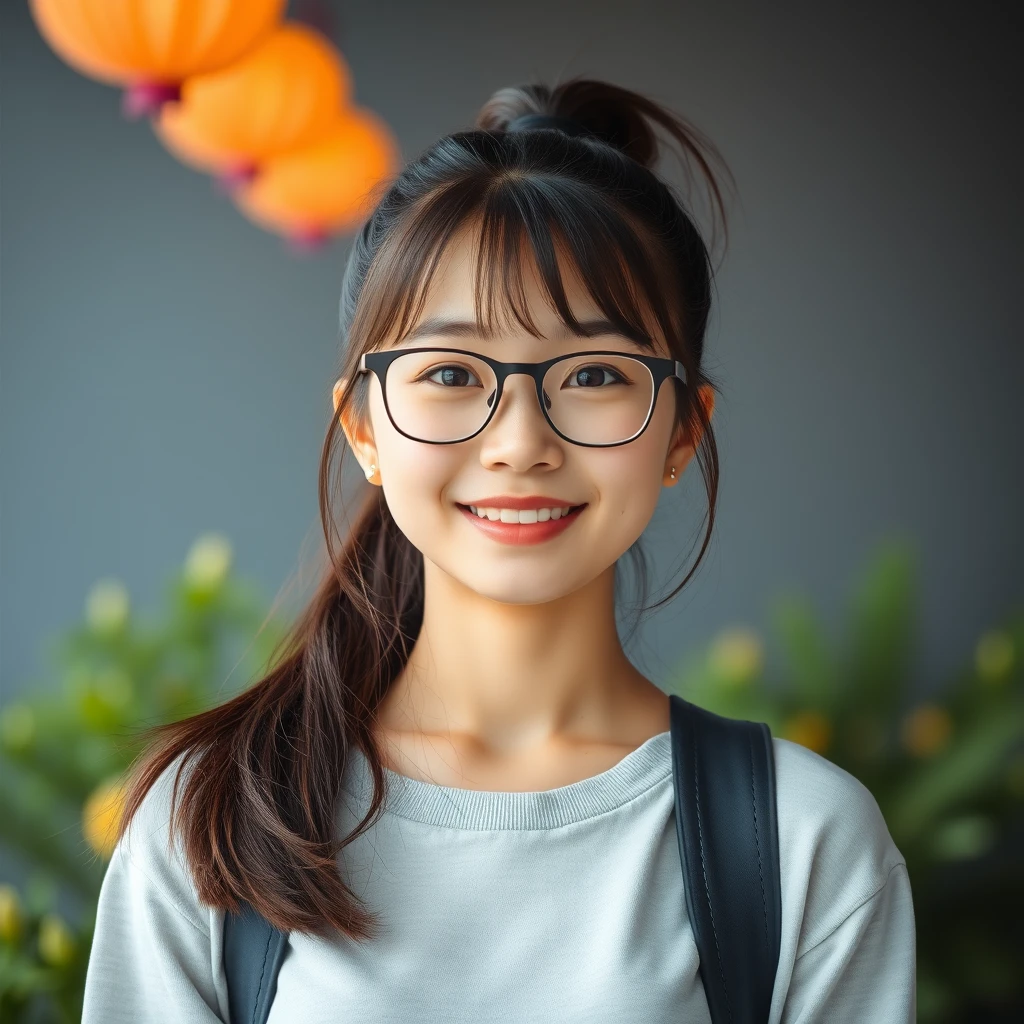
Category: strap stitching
[757,841]
[707,892]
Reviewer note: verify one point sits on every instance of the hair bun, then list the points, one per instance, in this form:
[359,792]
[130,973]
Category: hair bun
[569,125]
[612,114]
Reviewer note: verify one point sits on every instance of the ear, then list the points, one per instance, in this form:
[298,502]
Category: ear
[357,432]
[683,445]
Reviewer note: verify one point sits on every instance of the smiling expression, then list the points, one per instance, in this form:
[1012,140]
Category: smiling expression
[518,462]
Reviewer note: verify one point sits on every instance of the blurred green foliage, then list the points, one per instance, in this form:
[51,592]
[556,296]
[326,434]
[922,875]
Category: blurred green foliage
[947,771]
[64,751]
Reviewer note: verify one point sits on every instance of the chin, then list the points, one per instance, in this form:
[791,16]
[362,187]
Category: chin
[519,587]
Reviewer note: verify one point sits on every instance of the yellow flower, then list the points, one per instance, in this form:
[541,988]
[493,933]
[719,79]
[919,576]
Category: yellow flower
[810,729]
[208,562]
[10,914]
[993,657]
[926,730]
[106,606]
[102,814]
[56,943]
[736,656]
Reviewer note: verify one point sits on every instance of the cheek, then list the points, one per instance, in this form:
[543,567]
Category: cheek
[410,469]
[638,468]
[422,470]
[628,480]
[415,478]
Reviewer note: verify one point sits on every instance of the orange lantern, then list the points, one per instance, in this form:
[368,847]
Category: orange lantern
[327,187]
[284,93]
[151,46]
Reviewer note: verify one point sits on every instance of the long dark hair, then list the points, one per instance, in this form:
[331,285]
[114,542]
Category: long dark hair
[257,817]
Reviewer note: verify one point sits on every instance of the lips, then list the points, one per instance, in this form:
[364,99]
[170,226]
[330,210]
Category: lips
[523,533]
[524,508]
[519,503]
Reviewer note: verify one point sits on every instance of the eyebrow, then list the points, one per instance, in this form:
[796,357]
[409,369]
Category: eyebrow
[450,328]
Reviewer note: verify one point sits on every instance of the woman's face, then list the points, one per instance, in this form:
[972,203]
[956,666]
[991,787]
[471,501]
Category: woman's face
[429,487]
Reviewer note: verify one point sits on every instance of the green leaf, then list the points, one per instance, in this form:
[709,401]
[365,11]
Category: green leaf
[937,786]
[812,675]
[881,633]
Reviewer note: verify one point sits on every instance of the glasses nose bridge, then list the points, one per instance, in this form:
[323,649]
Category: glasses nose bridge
[515,370]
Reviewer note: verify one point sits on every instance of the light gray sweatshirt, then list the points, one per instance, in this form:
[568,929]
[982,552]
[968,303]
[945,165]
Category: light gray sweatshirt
[558,906]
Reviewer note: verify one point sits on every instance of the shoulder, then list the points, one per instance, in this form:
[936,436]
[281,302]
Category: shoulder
[835,849]
[150,850]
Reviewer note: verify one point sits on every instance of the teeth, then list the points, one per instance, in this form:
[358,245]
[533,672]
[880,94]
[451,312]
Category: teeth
[511,515]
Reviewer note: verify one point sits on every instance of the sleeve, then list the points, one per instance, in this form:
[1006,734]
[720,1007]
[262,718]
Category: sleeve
[156,950]
[865,969]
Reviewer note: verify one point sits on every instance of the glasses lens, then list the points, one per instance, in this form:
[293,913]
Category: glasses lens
[598,399]
[447,396]
[439,396]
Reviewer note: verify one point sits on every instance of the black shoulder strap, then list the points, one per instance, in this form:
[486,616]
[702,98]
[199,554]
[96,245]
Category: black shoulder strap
[726,824]
[253,951]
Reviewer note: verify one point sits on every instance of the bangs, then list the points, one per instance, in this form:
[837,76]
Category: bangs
[559,224]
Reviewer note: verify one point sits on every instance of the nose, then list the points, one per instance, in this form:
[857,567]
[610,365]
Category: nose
[518,434]
[523,391]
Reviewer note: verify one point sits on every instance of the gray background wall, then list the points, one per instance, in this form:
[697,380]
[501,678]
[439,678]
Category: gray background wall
[166,367]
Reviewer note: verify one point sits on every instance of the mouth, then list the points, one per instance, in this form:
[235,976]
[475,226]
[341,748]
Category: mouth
[571,510]
[535,530]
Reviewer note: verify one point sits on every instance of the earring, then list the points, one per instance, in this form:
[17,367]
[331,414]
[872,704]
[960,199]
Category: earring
[672,472]
[371,471]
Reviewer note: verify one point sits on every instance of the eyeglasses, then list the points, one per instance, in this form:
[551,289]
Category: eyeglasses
[446,395]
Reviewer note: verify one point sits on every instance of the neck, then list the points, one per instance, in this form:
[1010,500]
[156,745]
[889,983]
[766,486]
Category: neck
[512,676]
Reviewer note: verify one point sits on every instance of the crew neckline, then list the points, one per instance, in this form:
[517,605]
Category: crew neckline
[487,810]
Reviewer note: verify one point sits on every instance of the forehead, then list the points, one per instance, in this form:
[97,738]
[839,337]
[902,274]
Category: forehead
[453,286]
[461,276]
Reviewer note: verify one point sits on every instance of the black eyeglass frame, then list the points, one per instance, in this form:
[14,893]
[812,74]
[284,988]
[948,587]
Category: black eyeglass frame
[660,369]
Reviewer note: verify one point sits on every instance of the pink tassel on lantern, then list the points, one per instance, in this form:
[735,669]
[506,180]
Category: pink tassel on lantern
[146,98]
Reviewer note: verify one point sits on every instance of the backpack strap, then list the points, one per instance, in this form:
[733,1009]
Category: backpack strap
[726,824]
[724,776]
[253,951]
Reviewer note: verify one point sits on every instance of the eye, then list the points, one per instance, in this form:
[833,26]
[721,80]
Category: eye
[452,376]
[593,375]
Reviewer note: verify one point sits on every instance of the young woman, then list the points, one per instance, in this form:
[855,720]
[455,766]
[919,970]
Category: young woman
[453,789]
